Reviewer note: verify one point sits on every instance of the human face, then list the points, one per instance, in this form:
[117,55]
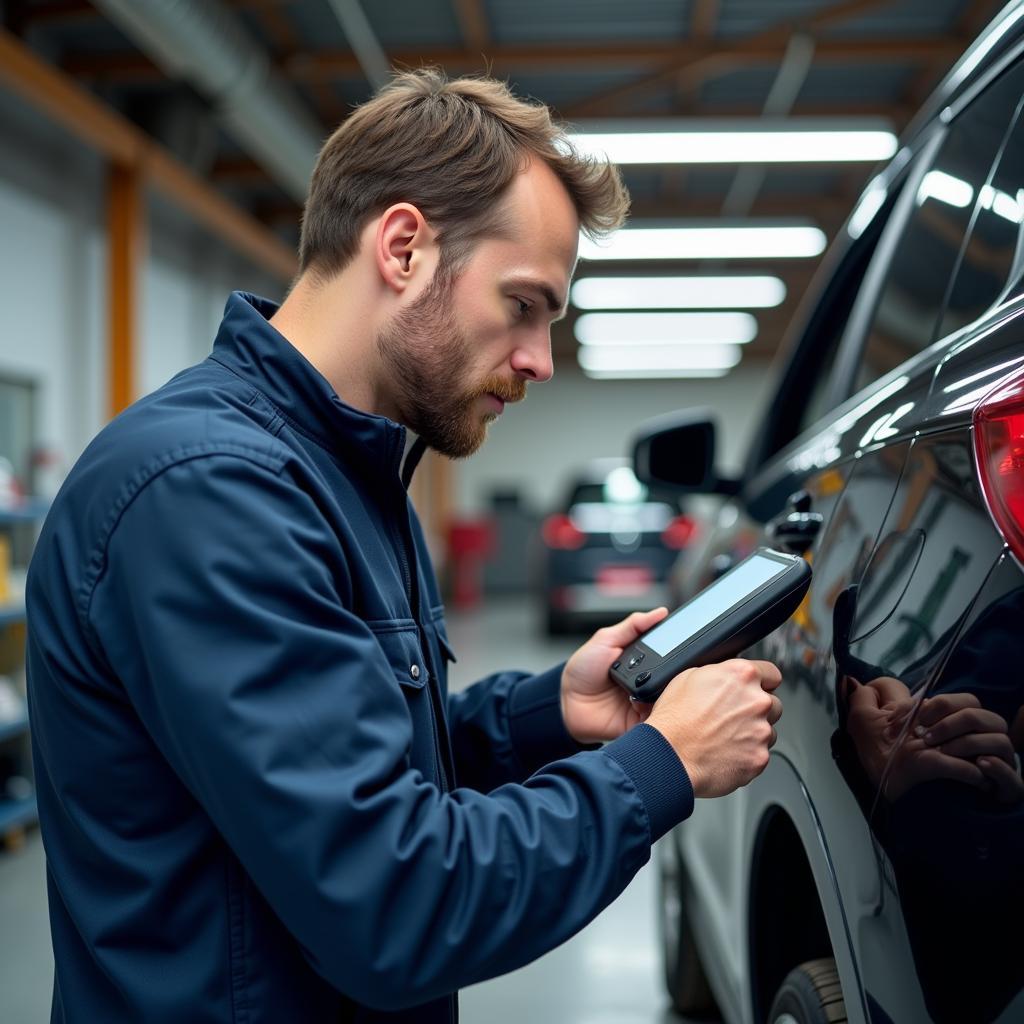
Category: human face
[425,354]
[474,338]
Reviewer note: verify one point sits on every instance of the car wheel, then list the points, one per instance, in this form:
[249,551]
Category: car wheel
[810,994]
[684,975]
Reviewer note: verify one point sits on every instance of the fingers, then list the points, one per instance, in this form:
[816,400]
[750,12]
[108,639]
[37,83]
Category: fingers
[960,723]
[889,690]
[981,744]
[934,709]
[1007,785]
[775,713]
[865,698]
[769,673]
[930,765]
[623,633]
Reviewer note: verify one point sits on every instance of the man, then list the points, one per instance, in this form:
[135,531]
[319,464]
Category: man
[257,800]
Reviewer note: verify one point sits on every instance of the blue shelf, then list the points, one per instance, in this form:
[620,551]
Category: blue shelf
[17,727]
[17,812]
[31,511]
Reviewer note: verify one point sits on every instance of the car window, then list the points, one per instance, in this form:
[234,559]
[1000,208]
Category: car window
[801,398]
[913,297]
[830,333]
[988,257]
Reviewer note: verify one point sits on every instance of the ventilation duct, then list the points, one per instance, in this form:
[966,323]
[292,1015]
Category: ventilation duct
[205,44]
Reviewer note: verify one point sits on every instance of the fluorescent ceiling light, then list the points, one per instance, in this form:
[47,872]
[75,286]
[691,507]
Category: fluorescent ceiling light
[737,292]
[945,188]
[749,142]
[658,357]
[665,328]
[1002,203]
[651,374]
[706,242]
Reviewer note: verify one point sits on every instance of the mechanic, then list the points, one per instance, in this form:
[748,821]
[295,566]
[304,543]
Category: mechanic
[257,801]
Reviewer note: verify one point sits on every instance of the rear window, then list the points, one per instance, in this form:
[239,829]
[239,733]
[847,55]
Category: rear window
[907,316]
[988,257]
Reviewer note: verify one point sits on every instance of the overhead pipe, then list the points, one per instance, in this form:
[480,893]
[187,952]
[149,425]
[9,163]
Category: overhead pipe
[205,43]
[363,41]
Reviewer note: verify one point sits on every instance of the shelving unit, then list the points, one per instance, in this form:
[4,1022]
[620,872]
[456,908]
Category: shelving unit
[16,814]
[17,811]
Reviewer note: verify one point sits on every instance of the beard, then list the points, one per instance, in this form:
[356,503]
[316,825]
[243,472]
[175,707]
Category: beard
[425,354]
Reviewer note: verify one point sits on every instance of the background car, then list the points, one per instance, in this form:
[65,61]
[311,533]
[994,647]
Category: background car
[609,548]
[873,871]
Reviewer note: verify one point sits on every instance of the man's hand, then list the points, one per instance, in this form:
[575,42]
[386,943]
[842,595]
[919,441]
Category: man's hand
[953,738]
[594,707]
[720,720]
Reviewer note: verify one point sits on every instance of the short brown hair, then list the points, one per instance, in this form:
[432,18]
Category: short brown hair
[451,148]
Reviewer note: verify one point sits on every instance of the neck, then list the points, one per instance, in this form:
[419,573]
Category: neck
[334,325]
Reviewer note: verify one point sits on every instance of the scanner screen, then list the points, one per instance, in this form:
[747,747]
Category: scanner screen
[711,602]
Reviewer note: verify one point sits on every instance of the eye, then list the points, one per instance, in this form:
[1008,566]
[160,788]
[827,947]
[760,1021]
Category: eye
[522,307]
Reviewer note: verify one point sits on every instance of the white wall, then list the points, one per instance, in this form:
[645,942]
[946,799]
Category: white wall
[53,281]
[535,445]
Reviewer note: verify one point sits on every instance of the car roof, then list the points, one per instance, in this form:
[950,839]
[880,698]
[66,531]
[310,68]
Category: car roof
[1001,35]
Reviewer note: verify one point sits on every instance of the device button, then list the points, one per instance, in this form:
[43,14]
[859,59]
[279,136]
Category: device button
[616,664]
[636,659]
[641,679]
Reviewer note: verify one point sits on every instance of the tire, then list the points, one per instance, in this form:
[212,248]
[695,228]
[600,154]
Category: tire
[685,980]
[810,994]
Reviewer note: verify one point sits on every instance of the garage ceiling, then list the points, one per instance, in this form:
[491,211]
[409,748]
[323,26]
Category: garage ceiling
[585,58]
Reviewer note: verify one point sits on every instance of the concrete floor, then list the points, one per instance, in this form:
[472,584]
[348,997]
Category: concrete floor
[609,974]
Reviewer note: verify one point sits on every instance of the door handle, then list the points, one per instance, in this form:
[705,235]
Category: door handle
[794,529]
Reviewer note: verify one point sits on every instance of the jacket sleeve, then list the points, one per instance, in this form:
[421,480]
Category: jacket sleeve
[508,725]
[221,608]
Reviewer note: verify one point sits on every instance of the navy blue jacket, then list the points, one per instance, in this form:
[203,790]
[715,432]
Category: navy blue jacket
[258,802]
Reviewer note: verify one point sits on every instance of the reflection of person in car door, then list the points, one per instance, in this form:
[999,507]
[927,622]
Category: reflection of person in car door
[939,780]
[951,737]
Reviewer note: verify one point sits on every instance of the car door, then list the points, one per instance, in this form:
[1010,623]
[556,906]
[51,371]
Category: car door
[711,844]
[910,545]
[952,640]
[875,500]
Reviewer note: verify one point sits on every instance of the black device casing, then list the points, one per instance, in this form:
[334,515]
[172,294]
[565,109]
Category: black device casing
[732,632]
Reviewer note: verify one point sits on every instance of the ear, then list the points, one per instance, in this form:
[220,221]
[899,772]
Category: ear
[405,247]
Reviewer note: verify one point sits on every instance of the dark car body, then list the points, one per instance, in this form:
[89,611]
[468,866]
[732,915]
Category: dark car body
[893,451]
[609,548]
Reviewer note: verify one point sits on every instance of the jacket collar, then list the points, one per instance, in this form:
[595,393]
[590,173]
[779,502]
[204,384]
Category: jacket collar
[253,350]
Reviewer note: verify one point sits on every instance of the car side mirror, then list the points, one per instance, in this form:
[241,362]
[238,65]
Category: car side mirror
[678,451]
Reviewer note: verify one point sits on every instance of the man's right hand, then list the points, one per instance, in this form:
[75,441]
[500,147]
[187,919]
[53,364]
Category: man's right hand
[720,721]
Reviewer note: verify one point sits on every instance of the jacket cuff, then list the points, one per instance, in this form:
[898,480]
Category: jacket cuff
[538,731]
[659,776]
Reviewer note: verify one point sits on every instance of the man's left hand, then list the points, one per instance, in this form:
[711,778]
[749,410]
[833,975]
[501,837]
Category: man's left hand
[595,708]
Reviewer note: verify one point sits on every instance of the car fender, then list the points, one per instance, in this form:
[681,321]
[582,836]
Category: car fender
[723,924]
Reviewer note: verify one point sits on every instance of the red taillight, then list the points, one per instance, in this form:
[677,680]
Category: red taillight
[999,449]
[679,532]
[560,532]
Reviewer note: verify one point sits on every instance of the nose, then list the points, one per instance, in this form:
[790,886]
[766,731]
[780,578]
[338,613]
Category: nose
[533,360]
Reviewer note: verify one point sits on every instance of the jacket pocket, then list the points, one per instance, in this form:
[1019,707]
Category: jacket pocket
[401,645]
[405,655]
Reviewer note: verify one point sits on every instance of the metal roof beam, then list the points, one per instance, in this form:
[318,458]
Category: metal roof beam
[507,59]
[473,24]
[83,116]
[777,36]
[686,58]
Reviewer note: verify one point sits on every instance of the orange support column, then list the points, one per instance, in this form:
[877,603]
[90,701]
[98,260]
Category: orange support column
[125,241]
